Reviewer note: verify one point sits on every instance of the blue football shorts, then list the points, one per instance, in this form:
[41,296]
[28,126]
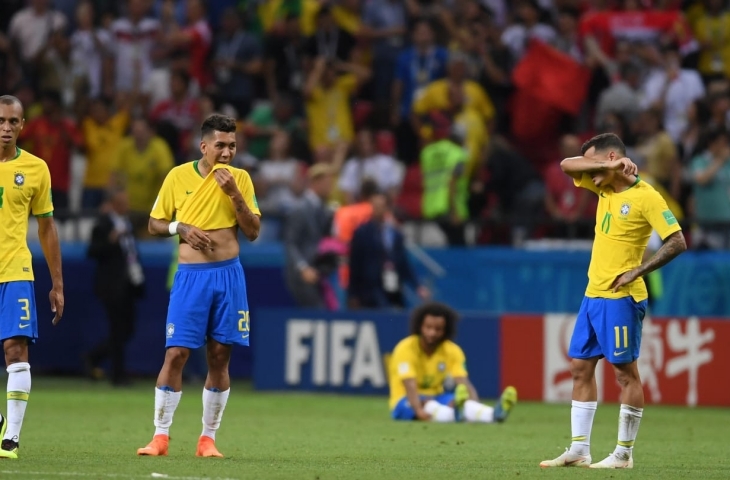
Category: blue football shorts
[404,411]
[608,327]
[208,300]
[17,311]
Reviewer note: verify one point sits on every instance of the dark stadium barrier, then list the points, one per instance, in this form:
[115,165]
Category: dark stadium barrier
[348,352]
[683,361]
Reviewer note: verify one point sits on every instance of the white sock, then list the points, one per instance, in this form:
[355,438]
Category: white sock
[18,392]
[629,419]
[166,402]
[581,423]
[478,412]
[439,413]
[214,403]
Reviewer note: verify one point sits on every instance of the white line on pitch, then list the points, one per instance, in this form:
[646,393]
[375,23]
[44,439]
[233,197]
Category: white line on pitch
[108,475]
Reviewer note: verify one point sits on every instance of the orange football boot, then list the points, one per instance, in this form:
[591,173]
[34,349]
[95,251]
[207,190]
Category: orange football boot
[206,448]
[157,447]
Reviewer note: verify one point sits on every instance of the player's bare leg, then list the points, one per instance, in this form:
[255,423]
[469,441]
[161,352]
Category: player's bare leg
[16,359]
[632,408]
[167,397]
[585,400]
[215,396]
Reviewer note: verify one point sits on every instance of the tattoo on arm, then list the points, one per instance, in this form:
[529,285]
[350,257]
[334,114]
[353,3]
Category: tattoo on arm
[673,246]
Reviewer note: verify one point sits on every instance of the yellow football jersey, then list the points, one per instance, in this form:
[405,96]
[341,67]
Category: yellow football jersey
[25,188]
[409,361]
[624,222]
[188,197]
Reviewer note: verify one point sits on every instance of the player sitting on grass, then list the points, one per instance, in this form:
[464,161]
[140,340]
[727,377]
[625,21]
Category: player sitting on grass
[610,318]
[422,362]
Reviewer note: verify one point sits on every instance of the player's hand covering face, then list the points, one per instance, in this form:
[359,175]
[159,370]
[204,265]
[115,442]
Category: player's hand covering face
[226,181]
[219,147]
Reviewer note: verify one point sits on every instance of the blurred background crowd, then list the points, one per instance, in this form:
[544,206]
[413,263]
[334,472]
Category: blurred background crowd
[115,92]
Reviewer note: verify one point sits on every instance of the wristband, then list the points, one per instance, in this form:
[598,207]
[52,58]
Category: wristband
[173,228]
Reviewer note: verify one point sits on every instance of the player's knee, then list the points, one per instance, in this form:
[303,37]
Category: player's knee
[626,375]
[16,351]
[581,371]
[175,357]
[218,358]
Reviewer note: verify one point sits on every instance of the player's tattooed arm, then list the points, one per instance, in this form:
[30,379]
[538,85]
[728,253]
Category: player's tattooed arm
[577,166]
[248,222]
[673,246]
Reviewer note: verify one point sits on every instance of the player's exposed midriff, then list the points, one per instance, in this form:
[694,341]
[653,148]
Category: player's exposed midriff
[224,246]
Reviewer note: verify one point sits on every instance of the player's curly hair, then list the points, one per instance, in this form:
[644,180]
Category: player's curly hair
[435,309]
[218,123]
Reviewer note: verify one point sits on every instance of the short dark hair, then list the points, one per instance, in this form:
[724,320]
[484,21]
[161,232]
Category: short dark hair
[435,309]
[368,189]
[715,134]
[604,141]
[11,100]
[217,123]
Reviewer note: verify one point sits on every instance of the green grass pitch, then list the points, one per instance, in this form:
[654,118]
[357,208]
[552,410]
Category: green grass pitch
[75,429]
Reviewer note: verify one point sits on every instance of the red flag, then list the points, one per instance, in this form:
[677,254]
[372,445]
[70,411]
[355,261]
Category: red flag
[553,77]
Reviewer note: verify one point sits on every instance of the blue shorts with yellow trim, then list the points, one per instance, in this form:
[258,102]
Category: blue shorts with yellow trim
[608,327]
[208,300]
[404,411]
[17,311]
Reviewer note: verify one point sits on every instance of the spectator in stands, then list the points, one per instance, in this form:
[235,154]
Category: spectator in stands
[284,61]
[462,99]
[329,40]
[379,265]
[517,185]
[266,119]
[712,31]
[56,70]
[118,283]
[180,111]
[567,38]
[304,228]
[672,89]
[564,202]
[691,145]
[134,37]
[623,97]
[91,50]
[711,174]
[445,185]
[368,163]
[103,133]
[327,92]
[141,164]
[31,30]
[417,66]
[385,23]
[53,137]
[278,180]
[517,36]
[659,153]
[237,62]
[193,43]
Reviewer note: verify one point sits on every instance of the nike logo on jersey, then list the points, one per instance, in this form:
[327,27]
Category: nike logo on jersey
[188,193]
[602,195]
[617,354]
[21,325]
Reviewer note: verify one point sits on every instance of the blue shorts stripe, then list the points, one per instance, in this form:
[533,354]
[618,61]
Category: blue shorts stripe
[18,316]
[608,327]
[208,301]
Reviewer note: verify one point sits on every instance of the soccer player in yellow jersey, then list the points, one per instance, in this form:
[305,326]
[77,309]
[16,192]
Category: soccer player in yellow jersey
[610,318]
[424,363]
[205,202]
[25,188]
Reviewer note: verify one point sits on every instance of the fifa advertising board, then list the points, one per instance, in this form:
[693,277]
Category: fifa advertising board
[683,361]
[349,351]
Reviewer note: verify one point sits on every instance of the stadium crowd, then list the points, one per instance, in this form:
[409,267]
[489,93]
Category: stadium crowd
[365,85]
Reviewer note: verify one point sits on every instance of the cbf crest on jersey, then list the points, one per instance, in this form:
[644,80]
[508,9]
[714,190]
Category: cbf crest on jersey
[441,366]
[19,179]
[625,209]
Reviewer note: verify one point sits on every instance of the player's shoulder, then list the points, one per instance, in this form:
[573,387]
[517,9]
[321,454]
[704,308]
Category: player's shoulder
[452,348]
[406,345]
[644,192]
[239,173]
[27,159]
